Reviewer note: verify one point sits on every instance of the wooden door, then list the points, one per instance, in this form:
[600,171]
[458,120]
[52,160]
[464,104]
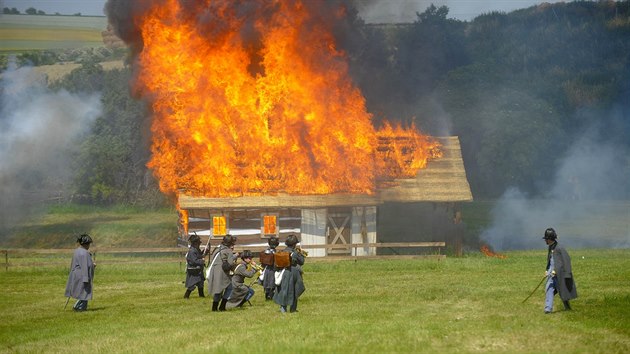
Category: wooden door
[339,230]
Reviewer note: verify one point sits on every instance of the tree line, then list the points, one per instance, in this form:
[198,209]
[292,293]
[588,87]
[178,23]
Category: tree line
[517,88]
[29,11]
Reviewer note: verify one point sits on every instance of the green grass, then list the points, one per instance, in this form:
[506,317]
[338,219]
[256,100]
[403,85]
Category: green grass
[118,226]
[469,304]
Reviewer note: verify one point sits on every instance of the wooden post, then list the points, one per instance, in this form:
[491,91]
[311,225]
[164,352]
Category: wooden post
[459,230]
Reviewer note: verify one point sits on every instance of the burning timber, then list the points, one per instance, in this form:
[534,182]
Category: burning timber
[331,218]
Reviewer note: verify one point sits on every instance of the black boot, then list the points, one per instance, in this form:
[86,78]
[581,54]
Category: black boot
[566,305]
[222,306]
[200,290]
[187,294]
[215,306]
[242,303]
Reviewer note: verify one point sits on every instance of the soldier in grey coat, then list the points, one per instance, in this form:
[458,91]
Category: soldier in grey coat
[559,273]
[292,285]
[80,280]
[268,282]
[241,293]
[194,267]
[222,262]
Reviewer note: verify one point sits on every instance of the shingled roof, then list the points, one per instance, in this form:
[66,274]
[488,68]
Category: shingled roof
[443,180]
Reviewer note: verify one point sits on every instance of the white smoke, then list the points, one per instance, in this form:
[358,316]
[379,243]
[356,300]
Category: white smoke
[38,129]
[584,205]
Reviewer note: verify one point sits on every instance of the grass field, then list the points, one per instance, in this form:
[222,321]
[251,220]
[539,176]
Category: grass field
[468,304]
[19,33]
[111,226]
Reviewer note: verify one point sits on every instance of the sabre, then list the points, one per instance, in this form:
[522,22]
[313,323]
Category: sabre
[66,305]
[537,286]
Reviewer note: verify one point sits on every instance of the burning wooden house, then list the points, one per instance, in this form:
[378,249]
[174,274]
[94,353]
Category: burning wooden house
[259,130]
[329,219]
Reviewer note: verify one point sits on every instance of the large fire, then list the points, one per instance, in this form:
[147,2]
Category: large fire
[263,103]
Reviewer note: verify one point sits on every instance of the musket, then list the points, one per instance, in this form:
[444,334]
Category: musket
[537,286]
[206,249]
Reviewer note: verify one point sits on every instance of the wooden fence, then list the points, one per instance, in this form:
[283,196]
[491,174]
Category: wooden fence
[177,254]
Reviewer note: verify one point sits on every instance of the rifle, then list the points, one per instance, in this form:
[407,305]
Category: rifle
[206,249]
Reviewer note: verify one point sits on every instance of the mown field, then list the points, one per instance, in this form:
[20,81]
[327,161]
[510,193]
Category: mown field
[469,304]
[57,227]
[20,33]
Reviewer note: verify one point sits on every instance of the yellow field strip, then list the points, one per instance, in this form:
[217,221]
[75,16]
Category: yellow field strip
[32,34]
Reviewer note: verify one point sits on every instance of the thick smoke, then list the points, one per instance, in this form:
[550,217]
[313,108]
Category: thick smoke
[38,129]
[585,203]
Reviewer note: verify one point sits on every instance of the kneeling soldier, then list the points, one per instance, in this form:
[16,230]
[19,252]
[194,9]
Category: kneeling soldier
[241,293]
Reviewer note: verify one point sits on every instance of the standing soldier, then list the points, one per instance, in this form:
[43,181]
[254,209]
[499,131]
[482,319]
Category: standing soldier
[266,259]
[241,293]
[194,267]
[222,262]
[81,276]
[559,273]
[291,285]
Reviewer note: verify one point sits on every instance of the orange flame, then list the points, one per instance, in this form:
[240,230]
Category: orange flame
[232,118]
[486,250]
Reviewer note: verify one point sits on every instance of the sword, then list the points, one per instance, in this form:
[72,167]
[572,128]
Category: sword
[537,286]
[66,305]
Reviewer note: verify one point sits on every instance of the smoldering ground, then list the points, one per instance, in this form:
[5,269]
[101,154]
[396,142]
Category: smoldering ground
[39,134]
[586,203]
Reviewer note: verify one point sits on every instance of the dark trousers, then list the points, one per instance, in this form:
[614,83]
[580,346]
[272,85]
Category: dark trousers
[225,295]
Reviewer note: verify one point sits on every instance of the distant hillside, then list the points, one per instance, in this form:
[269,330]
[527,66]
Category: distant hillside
[21,33]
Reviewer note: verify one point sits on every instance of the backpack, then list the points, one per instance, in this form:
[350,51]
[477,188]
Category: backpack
[282,259]
[266,259]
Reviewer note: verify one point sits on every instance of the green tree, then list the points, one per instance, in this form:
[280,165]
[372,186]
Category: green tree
[31,11]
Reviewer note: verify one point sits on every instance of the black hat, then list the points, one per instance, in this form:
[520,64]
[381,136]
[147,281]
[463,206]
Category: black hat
[247,254]
[229,240]
[194,239]
[291,241]
[550,234]
[84,239]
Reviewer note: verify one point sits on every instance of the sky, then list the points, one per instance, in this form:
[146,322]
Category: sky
[380,11]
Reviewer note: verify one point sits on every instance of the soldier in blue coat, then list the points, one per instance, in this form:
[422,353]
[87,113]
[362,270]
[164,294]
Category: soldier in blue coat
[194,267]
[559,273]
[80,280]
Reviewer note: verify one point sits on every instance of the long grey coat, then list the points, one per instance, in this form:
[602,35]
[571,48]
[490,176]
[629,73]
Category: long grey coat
[81,276]
[218,280]
[269,281]
[239,289]
[564,274]
[292,285]
[194,267]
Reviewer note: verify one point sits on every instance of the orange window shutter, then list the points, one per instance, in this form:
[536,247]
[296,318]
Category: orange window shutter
[270,224]
[218,225]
